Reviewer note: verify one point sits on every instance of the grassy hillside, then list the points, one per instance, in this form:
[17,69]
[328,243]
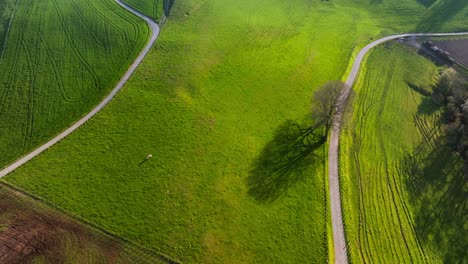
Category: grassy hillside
[400,184]
[220,98]
[60,59]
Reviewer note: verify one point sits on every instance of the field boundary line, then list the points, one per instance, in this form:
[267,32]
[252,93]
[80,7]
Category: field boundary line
[154,29]
[92,226]
[339,241]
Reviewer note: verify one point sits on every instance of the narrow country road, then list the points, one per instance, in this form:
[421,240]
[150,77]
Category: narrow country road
[154,28]
[335,202]
[339,242]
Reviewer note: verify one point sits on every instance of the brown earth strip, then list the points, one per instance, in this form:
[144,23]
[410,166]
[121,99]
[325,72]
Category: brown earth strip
[30,231]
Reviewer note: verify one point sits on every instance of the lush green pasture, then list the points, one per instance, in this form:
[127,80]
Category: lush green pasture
[151,8]
[60,59]
[400,184]
[220,98]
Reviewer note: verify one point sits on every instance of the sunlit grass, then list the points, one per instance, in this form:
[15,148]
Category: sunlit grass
[217,92]
[392,159]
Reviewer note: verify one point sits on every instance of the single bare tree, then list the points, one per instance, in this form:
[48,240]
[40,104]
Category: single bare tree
[325,102]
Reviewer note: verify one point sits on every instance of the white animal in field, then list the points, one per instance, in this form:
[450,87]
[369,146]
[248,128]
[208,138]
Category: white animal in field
[149,157]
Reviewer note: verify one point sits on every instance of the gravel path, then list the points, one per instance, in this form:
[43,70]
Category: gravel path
[154,28]
[341,255]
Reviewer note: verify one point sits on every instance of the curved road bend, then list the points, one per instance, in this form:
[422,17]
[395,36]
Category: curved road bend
[339,242]
[154,28]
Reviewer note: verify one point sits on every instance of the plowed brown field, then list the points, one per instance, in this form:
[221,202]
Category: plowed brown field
[458,49]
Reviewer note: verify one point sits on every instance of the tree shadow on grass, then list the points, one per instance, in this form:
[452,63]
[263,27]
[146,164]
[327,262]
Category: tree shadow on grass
[438,193]
[376,2]
[167,6]
[284,160]
[440,13]
[426,3]
[420,90]
[427,106]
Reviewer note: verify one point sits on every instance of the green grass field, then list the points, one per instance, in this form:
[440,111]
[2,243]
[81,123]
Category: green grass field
[60,59]
[151,8]
[401,186]
[41,234]
[7,7]
[214,102]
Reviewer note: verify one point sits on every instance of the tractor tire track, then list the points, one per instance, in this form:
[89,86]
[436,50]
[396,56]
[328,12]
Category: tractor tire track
[57,72]
[32,90]
[76,51]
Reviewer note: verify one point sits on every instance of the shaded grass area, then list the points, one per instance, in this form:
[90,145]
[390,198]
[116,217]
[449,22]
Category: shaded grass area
[401,195]
[438,192]
[427,3]
[441,12]
[284,161]
[219,103]
[6,12]
[31,232]
[60,59]
[152,8]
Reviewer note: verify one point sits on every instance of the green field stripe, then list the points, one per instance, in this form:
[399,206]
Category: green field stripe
[395,213]
[76,51]
[409,217]
[57,71]
[90,28]
[362,190]
[129,53]
[31,95]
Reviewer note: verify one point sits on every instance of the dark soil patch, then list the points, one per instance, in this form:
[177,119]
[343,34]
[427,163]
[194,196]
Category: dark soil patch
[30,230]
[458,49]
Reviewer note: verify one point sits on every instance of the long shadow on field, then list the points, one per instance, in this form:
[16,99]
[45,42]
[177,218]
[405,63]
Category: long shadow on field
[167,6]
[440,12]
[426,3]
[438,193]
[284,160]
[427,106]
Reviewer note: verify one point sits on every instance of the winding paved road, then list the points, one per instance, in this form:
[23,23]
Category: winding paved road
[154,28]
[341,255]
[335,202]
